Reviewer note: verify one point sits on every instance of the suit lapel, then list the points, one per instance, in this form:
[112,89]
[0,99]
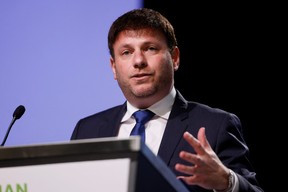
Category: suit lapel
[175,128]
[117,120]
[110,126]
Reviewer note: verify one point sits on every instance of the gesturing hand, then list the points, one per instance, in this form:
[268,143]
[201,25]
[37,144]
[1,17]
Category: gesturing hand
[206,169]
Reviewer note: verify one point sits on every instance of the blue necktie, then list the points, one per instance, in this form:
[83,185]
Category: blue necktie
[142,117]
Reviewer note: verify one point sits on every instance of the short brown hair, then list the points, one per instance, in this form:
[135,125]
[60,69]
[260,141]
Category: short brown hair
[140,19]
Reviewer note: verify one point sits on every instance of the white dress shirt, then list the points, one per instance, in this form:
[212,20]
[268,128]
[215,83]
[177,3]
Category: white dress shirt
[155,127]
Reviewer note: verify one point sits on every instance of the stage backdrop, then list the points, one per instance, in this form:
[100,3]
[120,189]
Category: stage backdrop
[54,60]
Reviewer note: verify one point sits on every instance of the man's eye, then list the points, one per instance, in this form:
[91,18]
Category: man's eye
[125,53]
[151,48]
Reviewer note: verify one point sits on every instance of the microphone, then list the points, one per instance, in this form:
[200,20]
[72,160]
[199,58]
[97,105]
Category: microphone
[19,111]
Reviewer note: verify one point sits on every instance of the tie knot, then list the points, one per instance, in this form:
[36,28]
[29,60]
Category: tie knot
[142,116]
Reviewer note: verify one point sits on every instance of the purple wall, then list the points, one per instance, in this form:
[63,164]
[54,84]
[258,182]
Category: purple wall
[54,60]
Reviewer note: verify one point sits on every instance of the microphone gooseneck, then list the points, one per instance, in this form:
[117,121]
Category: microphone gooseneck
[19,111]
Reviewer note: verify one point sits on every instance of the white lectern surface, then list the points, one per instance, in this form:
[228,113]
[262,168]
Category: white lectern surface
[102,175]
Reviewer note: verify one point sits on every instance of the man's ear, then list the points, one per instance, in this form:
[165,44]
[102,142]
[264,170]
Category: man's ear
[176,58]
[113,67]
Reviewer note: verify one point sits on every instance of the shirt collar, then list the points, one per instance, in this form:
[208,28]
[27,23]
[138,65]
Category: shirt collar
[162,108]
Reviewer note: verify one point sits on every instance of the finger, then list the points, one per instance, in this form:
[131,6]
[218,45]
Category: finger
[202,138]
[189,170]
[194,143]
[189,180]
[194,159]
[189,157]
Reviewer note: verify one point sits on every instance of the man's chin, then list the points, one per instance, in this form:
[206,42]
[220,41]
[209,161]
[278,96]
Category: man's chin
[143,91]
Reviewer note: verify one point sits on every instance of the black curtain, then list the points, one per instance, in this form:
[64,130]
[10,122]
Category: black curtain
[222,63]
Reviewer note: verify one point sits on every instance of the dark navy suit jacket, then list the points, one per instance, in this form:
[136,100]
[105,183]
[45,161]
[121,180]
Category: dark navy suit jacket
[223,131]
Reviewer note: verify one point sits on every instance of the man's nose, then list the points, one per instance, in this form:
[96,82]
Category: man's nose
[139,60]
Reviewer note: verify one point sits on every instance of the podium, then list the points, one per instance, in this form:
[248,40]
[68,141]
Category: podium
[100,165]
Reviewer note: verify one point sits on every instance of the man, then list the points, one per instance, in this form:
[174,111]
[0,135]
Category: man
[144,57]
